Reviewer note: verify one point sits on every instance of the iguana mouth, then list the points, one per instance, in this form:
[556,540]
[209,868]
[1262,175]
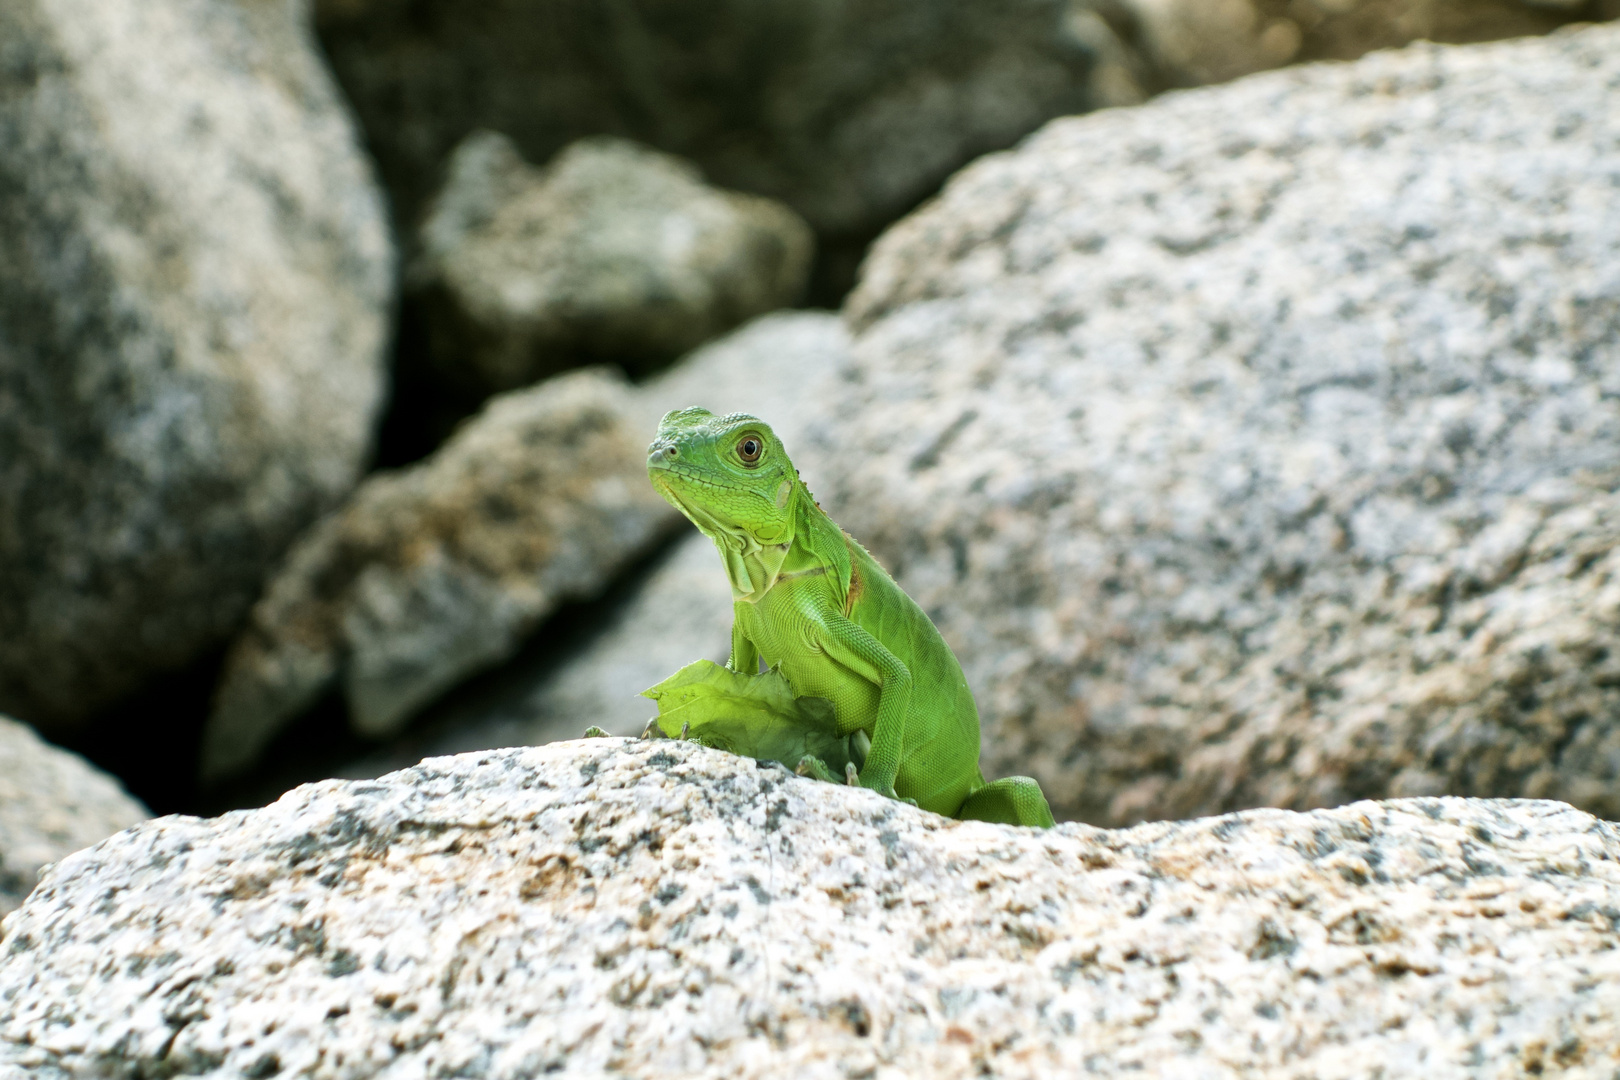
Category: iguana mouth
[751,566]
[705,521]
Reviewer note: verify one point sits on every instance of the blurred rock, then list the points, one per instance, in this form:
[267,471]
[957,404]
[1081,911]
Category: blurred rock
[849,113]
[783,368]
[52,803]
[613,252]
[433,572]
[677,613]
[195,278]
[1260,443]
[1194,42]
[616,907]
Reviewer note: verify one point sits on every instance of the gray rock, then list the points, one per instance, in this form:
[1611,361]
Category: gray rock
[52,803]
[1258,445]
[784,368]
[194,289]
[639,909]
[1194,42]
[849,113]
[611,252]
[430,573]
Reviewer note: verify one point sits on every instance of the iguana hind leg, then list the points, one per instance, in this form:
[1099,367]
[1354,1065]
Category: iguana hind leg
[1012,800]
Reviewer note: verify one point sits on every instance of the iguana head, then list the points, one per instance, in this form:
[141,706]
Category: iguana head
[730,476]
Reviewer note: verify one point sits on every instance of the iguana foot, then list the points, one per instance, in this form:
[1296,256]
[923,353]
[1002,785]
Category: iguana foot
[816,769]
[594,732]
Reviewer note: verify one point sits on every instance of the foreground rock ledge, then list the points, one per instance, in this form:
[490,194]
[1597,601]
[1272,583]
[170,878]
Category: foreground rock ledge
[660,909]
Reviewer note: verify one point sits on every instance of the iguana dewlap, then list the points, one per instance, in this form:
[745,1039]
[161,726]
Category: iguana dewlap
[811,602]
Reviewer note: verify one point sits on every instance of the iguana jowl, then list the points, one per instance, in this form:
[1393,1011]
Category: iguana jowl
[811,602]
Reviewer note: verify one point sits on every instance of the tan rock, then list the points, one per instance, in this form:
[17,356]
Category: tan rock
[783,367]
[1195,42]
[435,571]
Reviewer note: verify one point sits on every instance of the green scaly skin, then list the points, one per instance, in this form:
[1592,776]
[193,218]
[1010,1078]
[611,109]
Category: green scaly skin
[810,600]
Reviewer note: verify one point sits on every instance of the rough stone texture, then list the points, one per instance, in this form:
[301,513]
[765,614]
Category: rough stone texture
[849,113]
[52,803]
[1193,42]
[1258,446]
[611,252]
[782,367]
[432,572]
[658,909]
[194,283]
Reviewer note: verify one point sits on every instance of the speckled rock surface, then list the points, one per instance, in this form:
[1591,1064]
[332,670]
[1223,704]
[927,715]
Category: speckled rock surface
[640,909]
[783,367]
[612,252]
[848,113]
[195,278]
[1192,42]
[52,803]
[435,571]
[1258,446]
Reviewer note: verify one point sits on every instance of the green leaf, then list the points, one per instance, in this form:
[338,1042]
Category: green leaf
[756,716]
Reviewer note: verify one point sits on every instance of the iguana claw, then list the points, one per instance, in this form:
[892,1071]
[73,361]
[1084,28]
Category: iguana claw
[816,769]
[653,731]
[852,776]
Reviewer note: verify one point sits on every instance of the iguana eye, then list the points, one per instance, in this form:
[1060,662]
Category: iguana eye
[749,449]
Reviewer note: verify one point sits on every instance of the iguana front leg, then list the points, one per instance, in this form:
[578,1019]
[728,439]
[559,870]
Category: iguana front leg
[744,654]
[846,642]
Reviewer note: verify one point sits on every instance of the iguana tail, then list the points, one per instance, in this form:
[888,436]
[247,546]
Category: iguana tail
[1012,800]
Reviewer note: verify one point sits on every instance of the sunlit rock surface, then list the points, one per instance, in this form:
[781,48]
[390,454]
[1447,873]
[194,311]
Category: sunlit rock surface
[52,803]
[1257,446]
[640,908]
[195,282]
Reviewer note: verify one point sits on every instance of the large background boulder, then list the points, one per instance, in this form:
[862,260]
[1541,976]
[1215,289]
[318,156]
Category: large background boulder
[655,908]
[612,252]
[1260,443]
[430,573]
[52,803]
[194,283]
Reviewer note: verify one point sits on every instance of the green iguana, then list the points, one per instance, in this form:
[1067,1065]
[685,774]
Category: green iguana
[819,610]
